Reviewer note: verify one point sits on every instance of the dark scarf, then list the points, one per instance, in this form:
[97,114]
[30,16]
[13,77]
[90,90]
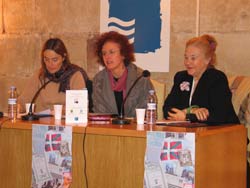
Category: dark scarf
[64,74]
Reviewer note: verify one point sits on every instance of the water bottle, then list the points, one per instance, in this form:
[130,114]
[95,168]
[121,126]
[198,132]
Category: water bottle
[151,114]
[12,103]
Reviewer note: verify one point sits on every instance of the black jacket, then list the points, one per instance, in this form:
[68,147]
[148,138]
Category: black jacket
[212,92]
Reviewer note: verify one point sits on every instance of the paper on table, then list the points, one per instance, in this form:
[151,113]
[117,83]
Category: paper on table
[47,111]
[180,123]
[166,122]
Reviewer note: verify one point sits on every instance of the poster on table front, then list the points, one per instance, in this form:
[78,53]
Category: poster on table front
[51,156]
[169,160]
[146,24]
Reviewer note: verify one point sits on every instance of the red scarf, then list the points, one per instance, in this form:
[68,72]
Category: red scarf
[119,85]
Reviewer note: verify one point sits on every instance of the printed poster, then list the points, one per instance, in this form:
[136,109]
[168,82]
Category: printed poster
[169,160]
[51,156]
[147,26]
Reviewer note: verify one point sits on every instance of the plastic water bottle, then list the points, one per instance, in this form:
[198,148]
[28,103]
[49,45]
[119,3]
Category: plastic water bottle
[12,103]
[151,114]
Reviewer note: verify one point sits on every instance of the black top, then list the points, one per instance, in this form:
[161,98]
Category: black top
[212,92]
[119,100]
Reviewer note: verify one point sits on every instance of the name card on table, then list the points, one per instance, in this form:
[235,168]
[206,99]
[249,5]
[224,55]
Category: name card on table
[76,107]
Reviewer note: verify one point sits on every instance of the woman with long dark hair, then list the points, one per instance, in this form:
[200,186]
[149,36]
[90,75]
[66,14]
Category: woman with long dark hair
[55,66]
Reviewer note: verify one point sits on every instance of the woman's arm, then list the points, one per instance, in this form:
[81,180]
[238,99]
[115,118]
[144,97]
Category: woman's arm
[220,104]
[176,98]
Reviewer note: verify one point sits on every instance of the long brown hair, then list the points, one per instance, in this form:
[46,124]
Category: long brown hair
[57,46]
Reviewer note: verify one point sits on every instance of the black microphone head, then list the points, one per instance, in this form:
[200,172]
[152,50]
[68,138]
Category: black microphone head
[145,73]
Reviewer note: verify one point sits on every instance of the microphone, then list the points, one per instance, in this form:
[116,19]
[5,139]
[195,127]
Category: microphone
[121,120]
[31,116]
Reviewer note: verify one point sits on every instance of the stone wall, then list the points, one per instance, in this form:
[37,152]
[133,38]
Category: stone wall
[26,24]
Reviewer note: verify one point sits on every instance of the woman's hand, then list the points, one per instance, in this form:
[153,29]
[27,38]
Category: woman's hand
[177,115]
[201,113]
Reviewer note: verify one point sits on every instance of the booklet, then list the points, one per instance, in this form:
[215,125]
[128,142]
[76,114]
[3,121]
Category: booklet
[76,106]
[100,116]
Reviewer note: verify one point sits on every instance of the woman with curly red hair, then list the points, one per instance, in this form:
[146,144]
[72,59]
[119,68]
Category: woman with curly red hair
[111,85]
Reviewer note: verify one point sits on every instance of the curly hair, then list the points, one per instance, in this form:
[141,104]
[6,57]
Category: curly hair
[126,49]
[208,44]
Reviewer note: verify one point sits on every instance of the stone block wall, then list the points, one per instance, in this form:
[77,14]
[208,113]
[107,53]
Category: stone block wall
[26,24]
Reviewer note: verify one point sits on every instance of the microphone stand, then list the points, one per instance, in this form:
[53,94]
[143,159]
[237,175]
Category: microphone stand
[121,120]
[31,116]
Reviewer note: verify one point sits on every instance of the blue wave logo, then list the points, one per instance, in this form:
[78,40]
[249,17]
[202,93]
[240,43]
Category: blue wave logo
[139,20]
[124,27]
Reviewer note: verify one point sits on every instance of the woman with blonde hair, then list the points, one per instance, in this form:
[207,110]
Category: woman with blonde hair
[201,92]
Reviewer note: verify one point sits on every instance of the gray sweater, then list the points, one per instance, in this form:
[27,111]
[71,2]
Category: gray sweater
[104,98]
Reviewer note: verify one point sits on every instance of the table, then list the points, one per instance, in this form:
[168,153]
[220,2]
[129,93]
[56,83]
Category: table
[115,154]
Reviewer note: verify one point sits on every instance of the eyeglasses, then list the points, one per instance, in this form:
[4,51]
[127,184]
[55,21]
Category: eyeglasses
[110,52]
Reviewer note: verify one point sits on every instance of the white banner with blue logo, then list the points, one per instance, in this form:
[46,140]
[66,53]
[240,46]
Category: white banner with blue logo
[169,160]
[147,25]
[51,156]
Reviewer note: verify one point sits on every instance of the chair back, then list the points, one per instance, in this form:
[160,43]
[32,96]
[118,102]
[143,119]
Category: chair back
[160,90]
